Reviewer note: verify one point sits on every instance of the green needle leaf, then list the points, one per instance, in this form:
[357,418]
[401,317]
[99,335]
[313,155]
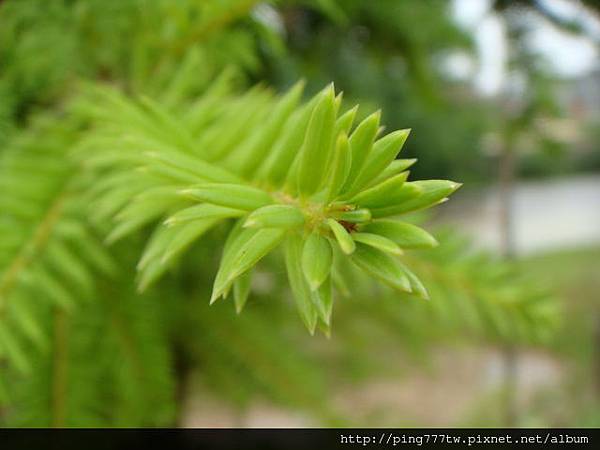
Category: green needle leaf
[230,195]
[275,216]
[395,167]
[323,300]
[184,238]
[379,242]
[382,266]
[194,166]
[166,245]
[278,163]
[361,142]
[342,236]
[241,290]
[340,167]
[404,234]
[244,252]
[300,289]
[386,193]
[254,249]
[317,257]
[417,287]
[248,158]
[431,193]
[356,216]
[345,121]
[204,211]
[317,144]
[383,153]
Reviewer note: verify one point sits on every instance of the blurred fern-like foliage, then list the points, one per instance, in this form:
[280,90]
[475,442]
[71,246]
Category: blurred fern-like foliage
[143,178]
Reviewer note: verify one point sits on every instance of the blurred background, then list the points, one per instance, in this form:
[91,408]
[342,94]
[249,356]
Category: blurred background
[503,96]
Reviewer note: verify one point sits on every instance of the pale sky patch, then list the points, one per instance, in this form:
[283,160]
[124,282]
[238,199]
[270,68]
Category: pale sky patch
[567,55]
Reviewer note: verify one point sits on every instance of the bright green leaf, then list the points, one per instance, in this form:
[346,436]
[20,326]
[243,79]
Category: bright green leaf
[203,212]
[241,290]
[383,153]
[415,284]
[386,193]
[278,162]
[249,157]
[317,145]
[404,234]
[344,123]
[395,167]
[377,241]
[236,196]
[354,216]
[243,254]
[340,167]
[382,266]
[302,294]
[322,298]
[342,236]
[317,258]
[431,193]
[275,216]
[361,142]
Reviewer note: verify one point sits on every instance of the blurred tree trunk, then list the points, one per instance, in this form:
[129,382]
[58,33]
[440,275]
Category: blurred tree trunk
[506,178]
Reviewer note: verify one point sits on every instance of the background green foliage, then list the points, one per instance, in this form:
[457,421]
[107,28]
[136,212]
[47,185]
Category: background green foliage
[79,344]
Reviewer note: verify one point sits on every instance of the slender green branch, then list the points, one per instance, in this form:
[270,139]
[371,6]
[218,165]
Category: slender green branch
[30,248]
